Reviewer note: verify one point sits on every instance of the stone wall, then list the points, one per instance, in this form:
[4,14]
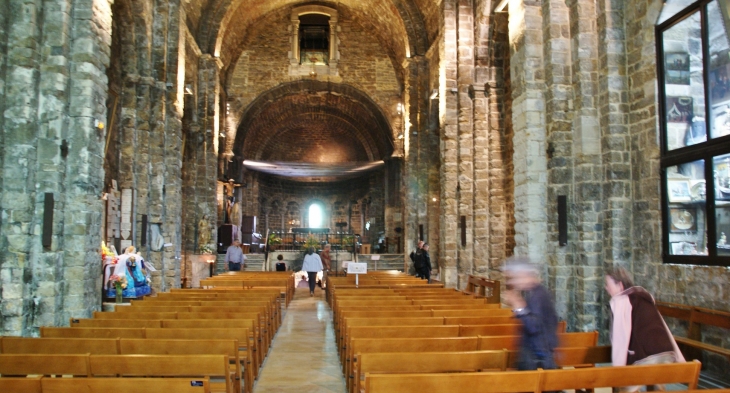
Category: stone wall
[53,85]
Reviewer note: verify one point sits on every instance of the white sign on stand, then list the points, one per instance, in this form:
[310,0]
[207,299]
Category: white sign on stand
[357,268]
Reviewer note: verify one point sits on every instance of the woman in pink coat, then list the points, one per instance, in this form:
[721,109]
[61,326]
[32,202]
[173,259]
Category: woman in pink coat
[638,332]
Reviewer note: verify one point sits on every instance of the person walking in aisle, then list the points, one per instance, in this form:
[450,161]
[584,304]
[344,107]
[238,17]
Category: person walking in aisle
[639,335]
[533,305]
[326,263]
[235,257]
[312,265]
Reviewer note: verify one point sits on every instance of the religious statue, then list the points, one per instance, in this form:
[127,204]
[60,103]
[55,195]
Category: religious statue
[229,200]
[723,240]
[203,232]
[132,266]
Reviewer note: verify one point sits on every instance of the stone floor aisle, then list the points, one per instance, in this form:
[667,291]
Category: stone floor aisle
[303,356]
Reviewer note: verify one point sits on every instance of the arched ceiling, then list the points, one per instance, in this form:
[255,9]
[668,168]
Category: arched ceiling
[314,122]
[399,24]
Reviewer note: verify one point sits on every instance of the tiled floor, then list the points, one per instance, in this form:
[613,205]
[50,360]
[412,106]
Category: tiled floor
[303,357]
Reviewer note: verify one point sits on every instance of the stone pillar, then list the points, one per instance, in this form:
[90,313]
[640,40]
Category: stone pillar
[586,200]
[465,184]
[614,118]
[50,144]
[449,125]
[528,117]
[206,153]
[417,155]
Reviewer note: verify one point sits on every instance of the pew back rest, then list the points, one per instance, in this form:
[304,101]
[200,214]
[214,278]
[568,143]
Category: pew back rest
[132,346]
[138,315]
[44,364]
[126,385]
[24,385]
[82,332]
[589,378]
[431,362]
[115,323]
[159,365]
[28,345]
[504,382]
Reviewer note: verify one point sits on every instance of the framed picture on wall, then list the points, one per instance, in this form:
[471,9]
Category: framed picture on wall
[682,220]
[679,109]
[676,68]
[678,191]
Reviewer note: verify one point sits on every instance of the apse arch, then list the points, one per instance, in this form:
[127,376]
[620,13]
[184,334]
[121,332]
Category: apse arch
[216,22]
[340,103]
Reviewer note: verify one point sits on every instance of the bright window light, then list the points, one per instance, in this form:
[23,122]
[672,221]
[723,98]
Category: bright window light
[315,216]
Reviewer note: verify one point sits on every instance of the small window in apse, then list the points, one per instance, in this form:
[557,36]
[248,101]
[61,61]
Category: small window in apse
[315,216]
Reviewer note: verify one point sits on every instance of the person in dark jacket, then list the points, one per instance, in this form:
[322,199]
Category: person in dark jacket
[423,260]
[533,305]
[415,254]
[638,332]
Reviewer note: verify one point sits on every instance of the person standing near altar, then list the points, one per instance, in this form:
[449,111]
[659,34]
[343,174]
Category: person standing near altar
[235,257]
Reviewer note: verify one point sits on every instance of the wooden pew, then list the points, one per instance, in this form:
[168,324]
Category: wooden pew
[536,381]
[190,366]
[44,364]
[63,332]
[426,362]
[20,385]
[25,345]
[696,317]
[577,348]
[126,385]
[192,347]
[502,382]
[591,378]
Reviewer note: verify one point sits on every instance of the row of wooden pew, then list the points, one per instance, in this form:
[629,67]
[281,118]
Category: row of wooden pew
[207,340]
[242,280]
[413,339]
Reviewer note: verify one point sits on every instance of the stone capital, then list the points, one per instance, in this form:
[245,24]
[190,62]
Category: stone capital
[207,58]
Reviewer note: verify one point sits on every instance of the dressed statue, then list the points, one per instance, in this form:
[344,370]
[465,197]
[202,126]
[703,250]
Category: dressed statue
[203,231]
[132,266]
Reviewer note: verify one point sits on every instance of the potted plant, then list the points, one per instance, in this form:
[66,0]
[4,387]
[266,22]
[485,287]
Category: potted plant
[310,242]
[273,240]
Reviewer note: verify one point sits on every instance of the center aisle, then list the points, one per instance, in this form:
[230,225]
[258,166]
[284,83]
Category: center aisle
[303,356]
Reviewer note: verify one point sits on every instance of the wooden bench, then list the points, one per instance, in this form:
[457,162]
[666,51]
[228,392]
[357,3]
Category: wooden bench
[483,287]
[535,381]
[85,365]
[24,345]
[426,362]
[696,317]
[210,366]
[230,348]
[126,385]
[22,365]
[20,385]
[575,346]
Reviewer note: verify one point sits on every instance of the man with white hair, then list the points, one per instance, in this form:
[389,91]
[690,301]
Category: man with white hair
[533,305]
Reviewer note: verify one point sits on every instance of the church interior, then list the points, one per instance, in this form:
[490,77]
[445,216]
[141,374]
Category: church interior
[583,135]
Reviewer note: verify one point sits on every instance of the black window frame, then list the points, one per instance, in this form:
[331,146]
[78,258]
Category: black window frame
[706,151]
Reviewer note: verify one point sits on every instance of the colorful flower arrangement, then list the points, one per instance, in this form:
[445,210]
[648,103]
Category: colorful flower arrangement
[119,282]
[108,255]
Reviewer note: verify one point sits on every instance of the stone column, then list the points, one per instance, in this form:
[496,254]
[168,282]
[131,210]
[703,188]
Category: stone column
[528,117]
[558,116]
[416,152]
[465,184]
[20,137]
[588,175]
[208,109]
[449,125]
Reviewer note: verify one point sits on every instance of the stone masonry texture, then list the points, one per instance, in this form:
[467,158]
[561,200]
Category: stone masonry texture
[479,113]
